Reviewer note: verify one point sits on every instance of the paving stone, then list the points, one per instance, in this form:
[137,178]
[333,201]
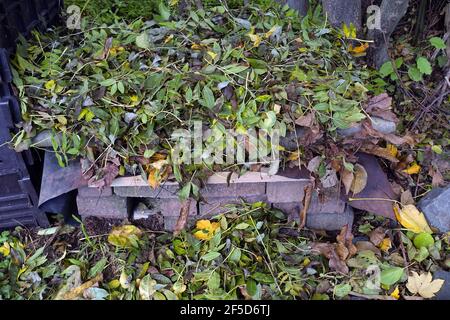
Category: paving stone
[217,205]
[233,190]
[288,191]
[379,124]
[107,207]
[165,191]
[444,293]
[436,208]
[329,220]
[95,192]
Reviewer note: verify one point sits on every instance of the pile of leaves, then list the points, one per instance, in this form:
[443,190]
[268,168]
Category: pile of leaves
[251,252]
[114,93]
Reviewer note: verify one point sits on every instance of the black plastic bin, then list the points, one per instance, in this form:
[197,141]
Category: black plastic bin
[18,197]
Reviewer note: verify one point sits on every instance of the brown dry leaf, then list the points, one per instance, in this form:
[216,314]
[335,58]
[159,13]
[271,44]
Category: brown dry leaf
[328,250]
[367,245]
[437,178]
[347,179]
[376,236]
[78,291]
[360,179]
[345,239]
[385,153]
[156,176]
[411,218]
[182,219]
[306,120]
[423,284]
[107,175]
[406,198]
[380,106]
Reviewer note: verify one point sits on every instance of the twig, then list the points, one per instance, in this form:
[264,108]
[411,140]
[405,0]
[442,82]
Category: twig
[306,202]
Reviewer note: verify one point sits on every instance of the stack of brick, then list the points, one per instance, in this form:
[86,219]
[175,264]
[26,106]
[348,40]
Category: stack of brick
[121,199]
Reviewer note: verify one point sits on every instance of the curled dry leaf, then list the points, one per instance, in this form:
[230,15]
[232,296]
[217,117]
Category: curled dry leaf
[376,236]
[411,218]
[360,179]
[306,120]
[385,153]
[406,198]
[182,219]
[423,284]
[347,179]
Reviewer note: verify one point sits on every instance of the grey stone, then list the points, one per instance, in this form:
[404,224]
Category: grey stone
[233,190]
[383,126]
[286,191]
[330,220]
[95,192]
[106,207]
[217,205]
[444,293]
[436,208]
[350,131]
[164,191]
[171,207]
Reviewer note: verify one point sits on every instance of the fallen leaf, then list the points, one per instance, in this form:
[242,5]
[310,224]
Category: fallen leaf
[396,293]
[124,236]
[78,291]
[385,245]
[358,50]
[182,219]
[360,179]
[423,284]
[367,245]
[385,153]
[413,169]
[436,176]
[306,120]
[392,150]
[380,106]
[347,179]
[406,198]
[376,236]
[411,218]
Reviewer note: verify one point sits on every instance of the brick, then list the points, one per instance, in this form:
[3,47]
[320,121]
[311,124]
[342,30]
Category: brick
[284,192]
[170,223]
[233,190]
[107,207]
[217,205]
[165,191]
[90,192]
[170,207]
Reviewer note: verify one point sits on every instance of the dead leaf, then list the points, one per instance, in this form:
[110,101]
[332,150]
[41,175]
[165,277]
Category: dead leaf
[124,236]
[306,120]
[385,245]
[406,198]
[314,164]
[367,245]
[182,219]
[436,176]
[377,235]
[347,179]
[385,153]
[380,106]
[411,218]
[413,169]
[78,291]
[423,284]
[306,201]
[360,179]
[345,240]
[105,176]
[330,179]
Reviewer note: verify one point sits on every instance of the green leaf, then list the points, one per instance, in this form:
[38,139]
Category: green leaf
[97,268]
[423,239]
[121,87]
[164,11]
[386,69]
[234,68]
[251,287]
[437,149]
[235,256]
[214,281]
[242,226]
[391,275]
[211,256]
[142,41]
[208,97]
[342,290]
[424,65]
[108,82]
[414,74]
[438,43]
[185,191]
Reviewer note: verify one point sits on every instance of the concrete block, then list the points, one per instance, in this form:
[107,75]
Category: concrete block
[106,207]
[89,192]
[218,205]
[284,192]
[436,208]
[233,190]
[164,191]
[170,223]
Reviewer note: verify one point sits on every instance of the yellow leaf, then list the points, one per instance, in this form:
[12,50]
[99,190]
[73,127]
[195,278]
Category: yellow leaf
[423,284]
[197,46]
[359,49]
[385,245]
[114,284]
[346,30]
[168,39]
[124,236]
[411,218]
[306,261]
[62,120]
[134,99]
[5,250]
[202,235]
[270,32]
[256,39]
[50,85]
[203,224]
[212,54]
[396,293]
[294,156]
[412,169]
[392,150]
[152,178]
[206,229]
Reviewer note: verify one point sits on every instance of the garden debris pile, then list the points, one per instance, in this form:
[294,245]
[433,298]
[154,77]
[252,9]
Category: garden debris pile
[250,253]
[114,94]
